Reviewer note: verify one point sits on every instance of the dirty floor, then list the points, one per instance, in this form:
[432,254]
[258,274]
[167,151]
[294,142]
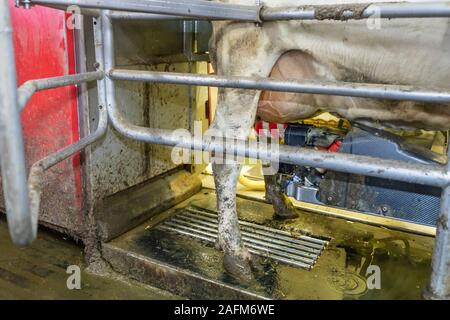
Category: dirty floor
[343,271]
[39,272]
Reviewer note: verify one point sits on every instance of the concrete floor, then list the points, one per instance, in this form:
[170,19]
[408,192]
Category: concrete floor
[39,272]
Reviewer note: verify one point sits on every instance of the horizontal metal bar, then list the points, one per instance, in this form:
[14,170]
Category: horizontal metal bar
[36,176]
[212,238]
[126,15]
[249,243]
[247,236]
[253,232]
[259,250]
[211,10]
[191,8]
[281,234]
[122,15]
[358,11]
[375,91]
[28,88]
[433,175]
[82,11]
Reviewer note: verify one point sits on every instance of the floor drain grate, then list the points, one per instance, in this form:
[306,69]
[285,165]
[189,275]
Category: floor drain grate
[296,250]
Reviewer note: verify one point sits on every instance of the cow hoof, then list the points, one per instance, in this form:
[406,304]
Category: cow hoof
[284,211]
[238,267]
[283,207]
[284,215]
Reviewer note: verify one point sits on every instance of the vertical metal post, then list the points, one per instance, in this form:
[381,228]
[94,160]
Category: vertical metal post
[12,157]
[109,61]
[100,59]
[439,287]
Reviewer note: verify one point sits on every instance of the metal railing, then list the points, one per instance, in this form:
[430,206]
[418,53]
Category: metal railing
[22,199]
[23,224]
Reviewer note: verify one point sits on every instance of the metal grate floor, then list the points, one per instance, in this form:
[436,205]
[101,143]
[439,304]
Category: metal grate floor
[293,249]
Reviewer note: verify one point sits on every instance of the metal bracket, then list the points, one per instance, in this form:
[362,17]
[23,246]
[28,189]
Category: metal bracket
[24,3]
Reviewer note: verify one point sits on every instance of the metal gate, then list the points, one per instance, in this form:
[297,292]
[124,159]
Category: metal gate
[22,200]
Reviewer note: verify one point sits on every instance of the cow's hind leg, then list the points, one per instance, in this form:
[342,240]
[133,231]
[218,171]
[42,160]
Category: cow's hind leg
[234,118]
[237,50]
[236,257]
[274,195]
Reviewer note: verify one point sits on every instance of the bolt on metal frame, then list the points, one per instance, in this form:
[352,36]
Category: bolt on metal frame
[107,11]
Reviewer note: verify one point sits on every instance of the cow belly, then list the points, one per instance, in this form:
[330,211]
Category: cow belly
[283,107]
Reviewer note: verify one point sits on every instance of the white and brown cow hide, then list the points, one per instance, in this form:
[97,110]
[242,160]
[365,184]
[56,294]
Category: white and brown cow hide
[412,52]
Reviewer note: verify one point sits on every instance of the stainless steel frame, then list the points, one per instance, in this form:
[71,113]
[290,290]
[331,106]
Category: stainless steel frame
[26,90]
[191,8]
[146,9]
[212,10]
[11,142]
[315,87]
[36,175]
[22,203]
[381,10]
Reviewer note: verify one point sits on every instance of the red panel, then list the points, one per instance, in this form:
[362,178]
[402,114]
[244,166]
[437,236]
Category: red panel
[44,48]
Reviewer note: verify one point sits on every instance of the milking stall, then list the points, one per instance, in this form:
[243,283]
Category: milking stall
[224,150]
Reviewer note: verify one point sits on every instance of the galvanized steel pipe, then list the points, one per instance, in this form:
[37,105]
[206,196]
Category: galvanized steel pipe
[123,15]
[36,176]
[358,11]
[223,11]
[12,158]
[27,89]
[390,92]
[439,287]
[433,175]
[37,171]
[191,8]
